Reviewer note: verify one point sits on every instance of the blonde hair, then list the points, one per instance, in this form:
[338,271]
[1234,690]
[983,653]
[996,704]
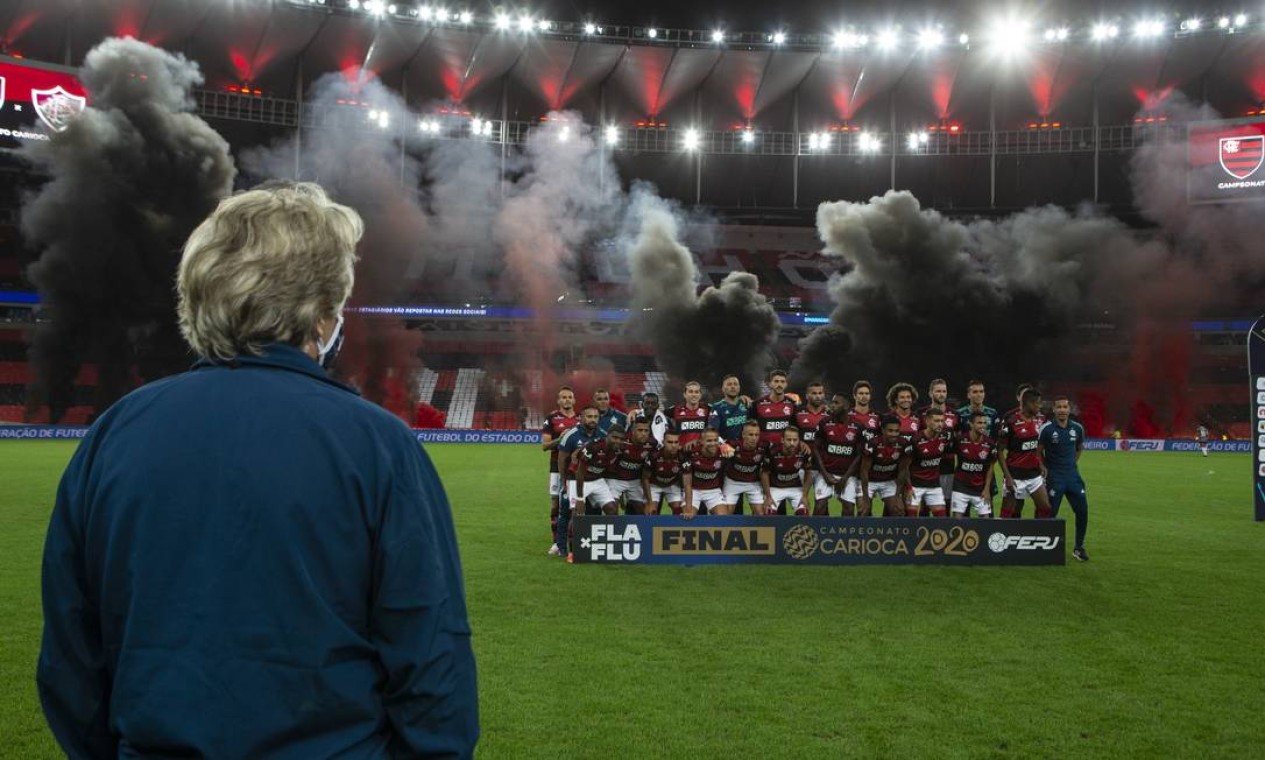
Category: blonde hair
[265,267]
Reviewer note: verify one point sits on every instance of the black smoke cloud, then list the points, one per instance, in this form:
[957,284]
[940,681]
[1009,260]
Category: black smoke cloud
[920,295]
[128,180]
[726,329]
[925,295]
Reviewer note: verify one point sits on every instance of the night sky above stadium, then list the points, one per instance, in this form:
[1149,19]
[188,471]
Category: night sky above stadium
[820,15]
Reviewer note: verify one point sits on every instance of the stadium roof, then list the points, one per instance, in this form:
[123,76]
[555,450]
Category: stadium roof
[1011,76]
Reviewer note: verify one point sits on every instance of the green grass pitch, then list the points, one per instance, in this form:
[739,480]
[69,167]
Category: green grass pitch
[1152,649]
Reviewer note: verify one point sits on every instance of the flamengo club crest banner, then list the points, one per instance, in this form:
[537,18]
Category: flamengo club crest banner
[672,540]
[1256,372]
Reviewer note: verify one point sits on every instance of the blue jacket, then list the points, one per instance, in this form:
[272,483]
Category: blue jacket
[249,560]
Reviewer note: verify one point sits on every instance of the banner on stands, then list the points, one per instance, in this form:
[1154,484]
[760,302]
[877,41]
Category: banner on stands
[477,436]
[673,540]
[46,432]
[74,432]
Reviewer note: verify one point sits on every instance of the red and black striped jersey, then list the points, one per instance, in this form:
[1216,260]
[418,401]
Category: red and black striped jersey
[974,461]
[885,458]
[688,423]
[787,470]
[839,444]
[705,472]
[557,423]
[744,466]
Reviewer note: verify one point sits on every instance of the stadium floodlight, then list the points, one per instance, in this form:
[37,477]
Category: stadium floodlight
[526,24]
[1148,28]
[930,39]
[466,17]
[375,7]
[748,137]
[564,134]
[1061,33]
[718,36]
[590,28]
[612,135]
[430,126]
[543,25]
[1240,20]
[501,21]
[1223,22]
[843,39]
[1192,24]
[392,8]
[691,140]
[964,38]
[426,13]
[652,32]
[778,38]
[441,15]
[887,39]
[869,143]
[916,140]
[1102,32]
[355,6]
[1008,37]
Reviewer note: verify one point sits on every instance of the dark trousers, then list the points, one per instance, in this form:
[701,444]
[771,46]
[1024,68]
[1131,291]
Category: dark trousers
[1074,490]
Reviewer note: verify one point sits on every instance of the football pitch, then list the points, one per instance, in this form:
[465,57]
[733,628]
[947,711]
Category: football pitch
[1151,649]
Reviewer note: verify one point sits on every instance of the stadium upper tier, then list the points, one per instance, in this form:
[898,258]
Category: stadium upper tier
[884,75]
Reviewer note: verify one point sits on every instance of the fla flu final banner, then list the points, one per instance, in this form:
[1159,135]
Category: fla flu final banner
[818,541]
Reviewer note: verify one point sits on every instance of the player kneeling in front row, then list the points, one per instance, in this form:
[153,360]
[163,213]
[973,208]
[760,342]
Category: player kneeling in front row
[590,493]
[789,475]
[703,479]
[930,447]
[973,476]
[837,453]
[745,474]
[1020,460]
[662,475]
[885,471]
[624,477]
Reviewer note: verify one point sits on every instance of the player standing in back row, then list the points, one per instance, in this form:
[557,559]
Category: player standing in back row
[775,412]
[938,392]
[690,419]
[728,415]
[557,422]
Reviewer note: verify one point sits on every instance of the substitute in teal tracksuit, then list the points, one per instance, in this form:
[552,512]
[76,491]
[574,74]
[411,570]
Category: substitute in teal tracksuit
[248,560]
[1060,443]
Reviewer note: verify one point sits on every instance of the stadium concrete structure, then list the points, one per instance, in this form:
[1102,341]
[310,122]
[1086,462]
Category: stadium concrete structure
[758,127]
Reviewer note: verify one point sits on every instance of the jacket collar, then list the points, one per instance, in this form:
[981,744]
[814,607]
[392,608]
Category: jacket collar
[276,356]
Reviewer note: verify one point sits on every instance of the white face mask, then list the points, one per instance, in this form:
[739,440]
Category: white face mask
[327,351]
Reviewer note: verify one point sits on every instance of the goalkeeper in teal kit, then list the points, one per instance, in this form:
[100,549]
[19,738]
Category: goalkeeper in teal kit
[1060,445]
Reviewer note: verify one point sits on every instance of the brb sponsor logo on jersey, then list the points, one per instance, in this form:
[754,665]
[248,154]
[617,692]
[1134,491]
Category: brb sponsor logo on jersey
[613,544]
[1000,542]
